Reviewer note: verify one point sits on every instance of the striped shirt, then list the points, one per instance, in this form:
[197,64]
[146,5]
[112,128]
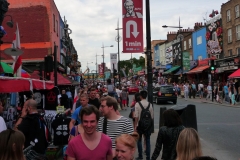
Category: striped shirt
[116,127]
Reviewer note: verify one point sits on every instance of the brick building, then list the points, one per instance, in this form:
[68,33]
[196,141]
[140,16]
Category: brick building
[40,27]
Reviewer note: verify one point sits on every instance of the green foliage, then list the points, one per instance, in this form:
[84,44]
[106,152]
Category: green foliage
[128,65]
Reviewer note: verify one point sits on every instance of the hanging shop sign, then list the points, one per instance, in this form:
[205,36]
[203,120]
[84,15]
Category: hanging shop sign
[132,21]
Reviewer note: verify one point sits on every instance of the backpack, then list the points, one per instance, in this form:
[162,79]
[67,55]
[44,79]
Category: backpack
[146,121]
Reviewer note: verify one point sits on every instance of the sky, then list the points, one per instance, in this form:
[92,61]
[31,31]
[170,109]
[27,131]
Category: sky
[93,24]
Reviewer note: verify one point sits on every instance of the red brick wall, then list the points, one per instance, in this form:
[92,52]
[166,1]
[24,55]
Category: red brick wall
[33,24]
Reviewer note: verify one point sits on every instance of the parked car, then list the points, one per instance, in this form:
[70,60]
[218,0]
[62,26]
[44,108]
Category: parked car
[164,93]
[133,89]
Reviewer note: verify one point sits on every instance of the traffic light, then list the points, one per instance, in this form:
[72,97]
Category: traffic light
[212,67]
[115,73]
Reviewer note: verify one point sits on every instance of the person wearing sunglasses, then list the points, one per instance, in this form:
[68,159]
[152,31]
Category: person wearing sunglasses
[11,144]
[2,122]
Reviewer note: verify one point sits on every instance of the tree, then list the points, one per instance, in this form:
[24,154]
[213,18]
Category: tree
[127,65]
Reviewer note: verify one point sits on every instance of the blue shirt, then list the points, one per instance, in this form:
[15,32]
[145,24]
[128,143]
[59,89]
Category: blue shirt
[75,115]
[225,89]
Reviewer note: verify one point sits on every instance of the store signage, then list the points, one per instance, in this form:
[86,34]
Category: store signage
[132,11]
[113,61]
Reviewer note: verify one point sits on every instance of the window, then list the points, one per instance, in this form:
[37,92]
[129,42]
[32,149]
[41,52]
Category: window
[190,43]
[238,51]
[237,11]
[184,45]
[229,35]
[190,57]
[229,52]
[54,22]
[57,27]
[238,32]
[228,15]
[199,57]
[199,40]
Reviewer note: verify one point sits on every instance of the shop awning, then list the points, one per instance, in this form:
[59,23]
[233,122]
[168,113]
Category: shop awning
[235,74]
[171,70]
[18,84]
[198,69]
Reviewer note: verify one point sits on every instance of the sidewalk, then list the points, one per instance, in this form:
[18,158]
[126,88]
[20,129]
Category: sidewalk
[198,100]
[206,148]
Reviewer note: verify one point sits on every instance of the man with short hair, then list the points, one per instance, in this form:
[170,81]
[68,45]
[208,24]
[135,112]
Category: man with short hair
[84,103]
[112,123]
[2,122]
[90,144]
[146,133]
[30,125]
[92,98]
[64,99]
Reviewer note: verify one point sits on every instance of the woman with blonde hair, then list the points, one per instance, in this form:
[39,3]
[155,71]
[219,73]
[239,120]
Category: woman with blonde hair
[126,146]
[11,144]
[188,145]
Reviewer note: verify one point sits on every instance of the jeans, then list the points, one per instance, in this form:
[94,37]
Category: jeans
[226,97]
[209,95]
[139,144]
[185,94]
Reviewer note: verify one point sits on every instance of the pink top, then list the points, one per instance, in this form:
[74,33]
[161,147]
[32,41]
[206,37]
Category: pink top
[78,150]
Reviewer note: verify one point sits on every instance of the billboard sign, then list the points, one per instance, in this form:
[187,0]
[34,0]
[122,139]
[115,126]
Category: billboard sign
[132,18]
[113,61]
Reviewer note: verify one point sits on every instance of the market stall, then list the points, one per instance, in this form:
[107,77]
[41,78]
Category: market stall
[18,84]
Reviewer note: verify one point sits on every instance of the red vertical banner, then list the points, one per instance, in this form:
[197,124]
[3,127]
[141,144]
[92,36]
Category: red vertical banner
[132,21]
[100,69]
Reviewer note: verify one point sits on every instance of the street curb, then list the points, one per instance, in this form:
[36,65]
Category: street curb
[221,104]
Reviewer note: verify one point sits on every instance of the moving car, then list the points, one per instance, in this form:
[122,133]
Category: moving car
[133,89]
[164,93]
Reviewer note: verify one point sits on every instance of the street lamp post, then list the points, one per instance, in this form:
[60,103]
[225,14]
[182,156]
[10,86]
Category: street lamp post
[181,38]
[96,65]
[118,39]
[88,68]
[103,62]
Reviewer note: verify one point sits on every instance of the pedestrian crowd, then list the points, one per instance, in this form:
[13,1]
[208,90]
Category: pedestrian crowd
[97,130]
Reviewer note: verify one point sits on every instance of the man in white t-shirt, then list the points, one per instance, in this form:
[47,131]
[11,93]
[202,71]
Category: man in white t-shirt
[2,122]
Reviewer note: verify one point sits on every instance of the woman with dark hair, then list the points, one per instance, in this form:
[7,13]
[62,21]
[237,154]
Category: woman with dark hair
[11,144]
[136,99]
[168,135]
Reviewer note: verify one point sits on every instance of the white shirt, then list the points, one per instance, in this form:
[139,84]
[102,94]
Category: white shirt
[185,87]
[2,124]
[118,91]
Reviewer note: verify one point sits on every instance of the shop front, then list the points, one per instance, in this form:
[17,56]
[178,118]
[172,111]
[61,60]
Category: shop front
[225,67]
[199,73]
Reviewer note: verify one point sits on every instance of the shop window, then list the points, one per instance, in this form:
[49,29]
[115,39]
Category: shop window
[184,45]
[237,11]
[57,27]
[190,43]
[238,32]
[228,15]
[199,40]
[229,35]
[54,22]
[238,51]
[229,52]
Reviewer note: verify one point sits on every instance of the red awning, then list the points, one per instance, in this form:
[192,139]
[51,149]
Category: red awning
[198,69]
[235,74]
[18,84]
[61,80]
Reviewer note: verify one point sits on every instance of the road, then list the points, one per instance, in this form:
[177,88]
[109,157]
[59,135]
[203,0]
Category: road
[218,127]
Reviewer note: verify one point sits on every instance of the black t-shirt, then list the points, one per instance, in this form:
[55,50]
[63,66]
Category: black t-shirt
[61,130]
[64,100]
[94,102]
[30,127]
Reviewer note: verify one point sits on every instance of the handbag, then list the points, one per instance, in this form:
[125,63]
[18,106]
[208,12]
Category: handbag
[130,114]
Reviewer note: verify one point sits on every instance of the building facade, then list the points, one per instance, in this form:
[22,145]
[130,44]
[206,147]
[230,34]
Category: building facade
[199,44]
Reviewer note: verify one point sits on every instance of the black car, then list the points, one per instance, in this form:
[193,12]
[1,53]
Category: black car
[164,93]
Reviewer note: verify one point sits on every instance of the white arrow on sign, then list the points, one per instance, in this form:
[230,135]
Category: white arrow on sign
[135,32]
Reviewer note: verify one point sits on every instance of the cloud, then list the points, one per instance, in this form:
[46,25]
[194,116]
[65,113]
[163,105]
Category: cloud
[93,23]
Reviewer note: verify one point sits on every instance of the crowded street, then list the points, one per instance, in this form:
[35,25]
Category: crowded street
[119,80]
